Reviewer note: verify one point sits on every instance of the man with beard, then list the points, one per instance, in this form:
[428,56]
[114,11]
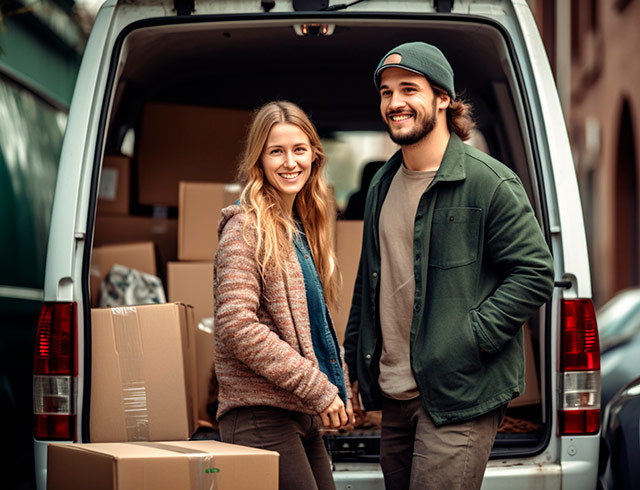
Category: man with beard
[453,263]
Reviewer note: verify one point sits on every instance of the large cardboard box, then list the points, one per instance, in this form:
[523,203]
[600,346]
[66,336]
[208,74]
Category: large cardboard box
[348,245]
[178,142]
[207,381]
[140,256]
[185,465]
[192,283]
[198,216]
[115,186]
[163,232]
[143,373]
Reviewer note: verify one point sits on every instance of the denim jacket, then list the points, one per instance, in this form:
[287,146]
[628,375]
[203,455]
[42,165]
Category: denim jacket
[325,342]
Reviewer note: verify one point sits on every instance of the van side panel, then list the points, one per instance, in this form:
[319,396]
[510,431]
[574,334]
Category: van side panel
[563,176]
[63,273]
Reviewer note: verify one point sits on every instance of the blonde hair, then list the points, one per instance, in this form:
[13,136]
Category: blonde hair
[275,228]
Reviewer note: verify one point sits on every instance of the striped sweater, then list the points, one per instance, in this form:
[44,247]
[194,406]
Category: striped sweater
[264,352]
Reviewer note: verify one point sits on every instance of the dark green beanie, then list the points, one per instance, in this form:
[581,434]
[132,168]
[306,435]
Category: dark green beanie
[423,59]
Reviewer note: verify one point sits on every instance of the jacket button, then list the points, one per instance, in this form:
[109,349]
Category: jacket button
[306,256]
[375,274]
[367,357]
[417,256]
[451,218]
[416,307]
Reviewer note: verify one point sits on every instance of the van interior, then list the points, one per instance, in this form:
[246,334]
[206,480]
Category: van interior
[177,107]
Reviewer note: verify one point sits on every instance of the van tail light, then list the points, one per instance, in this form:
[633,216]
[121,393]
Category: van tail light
[579,411]
[55,372]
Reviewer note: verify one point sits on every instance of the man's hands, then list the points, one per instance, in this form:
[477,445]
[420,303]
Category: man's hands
[357,408]
[351,418]
[335,415]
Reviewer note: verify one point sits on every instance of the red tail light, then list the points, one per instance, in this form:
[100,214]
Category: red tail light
[55,371]
[580,345]
[579,369]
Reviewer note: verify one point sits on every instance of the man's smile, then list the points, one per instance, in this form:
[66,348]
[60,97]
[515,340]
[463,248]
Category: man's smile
[400,117]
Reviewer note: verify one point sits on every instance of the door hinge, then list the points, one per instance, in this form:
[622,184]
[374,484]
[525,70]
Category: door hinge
[443,6]
[184,7]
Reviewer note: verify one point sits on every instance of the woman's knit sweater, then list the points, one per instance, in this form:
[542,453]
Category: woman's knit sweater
[264,352]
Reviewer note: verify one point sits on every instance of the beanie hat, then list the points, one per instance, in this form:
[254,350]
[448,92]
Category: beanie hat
[423,59]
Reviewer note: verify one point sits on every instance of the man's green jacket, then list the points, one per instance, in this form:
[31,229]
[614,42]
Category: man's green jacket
[482,267]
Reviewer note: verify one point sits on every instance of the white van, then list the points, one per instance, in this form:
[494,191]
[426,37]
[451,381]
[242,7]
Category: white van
[226,58]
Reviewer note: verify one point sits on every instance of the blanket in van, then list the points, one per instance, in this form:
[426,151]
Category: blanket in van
[124,286]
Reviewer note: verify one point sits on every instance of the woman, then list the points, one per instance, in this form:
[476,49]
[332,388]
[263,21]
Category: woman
[277,357]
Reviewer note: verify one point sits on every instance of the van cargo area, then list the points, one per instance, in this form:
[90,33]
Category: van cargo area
[179,97]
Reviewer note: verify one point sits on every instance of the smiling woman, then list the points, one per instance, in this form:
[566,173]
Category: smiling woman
[286,159]
[277,354]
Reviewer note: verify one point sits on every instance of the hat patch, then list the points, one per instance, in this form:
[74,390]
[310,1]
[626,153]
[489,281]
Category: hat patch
[393,58]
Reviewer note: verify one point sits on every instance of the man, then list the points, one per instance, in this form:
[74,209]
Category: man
[453,263]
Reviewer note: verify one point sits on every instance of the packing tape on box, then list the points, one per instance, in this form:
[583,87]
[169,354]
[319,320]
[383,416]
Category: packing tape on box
[128,340]
[203,475]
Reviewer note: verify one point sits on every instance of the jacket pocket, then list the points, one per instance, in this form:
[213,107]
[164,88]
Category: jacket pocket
[454,369]
[454,237]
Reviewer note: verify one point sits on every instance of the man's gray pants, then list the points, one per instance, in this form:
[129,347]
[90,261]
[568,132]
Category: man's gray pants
[417,455]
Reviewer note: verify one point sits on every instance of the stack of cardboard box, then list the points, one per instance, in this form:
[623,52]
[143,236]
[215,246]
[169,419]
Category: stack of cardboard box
[348,244]
[144,410]
[175,143]
[136,242]
[190,279]
[151,364]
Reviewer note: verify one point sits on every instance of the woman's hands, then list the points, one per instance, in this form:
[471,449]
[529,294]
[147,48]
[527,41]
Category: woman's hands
[335,415]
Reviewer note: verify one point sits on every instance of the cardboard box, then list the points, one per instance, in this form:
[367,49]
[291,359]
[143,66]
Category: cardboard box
[198,216]
[161,466]
[531,395]
[163,232]
[143,362]
[192,283]
[207,381]
[115,185]
[140,256]
[348,247]
[178,142]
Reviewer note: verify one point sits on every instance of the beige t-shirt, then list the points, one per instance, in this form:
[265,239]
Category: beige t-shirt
[397,283]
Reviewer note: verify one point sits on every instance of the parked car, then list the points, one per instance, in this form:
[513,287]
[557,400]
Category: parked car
[619,329]
[621,440]
[170,86]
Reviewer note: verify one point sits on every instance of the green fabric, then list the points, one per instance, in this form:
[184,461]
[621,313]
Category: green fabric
[39,57]
[30,143]
[482,268]
[424,59]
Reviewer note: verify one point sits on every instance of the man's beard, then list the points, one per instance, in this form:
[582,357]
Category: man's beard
[418,133]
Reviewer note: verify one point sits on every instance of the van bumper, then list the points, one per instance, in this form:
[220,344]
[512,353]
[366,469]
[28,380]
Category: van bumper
[40,456]
[500,475]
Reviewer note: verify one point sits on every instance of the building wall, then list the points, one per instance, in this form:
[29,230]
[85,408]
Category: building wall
[41,44]
[593,50]
[604,130]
